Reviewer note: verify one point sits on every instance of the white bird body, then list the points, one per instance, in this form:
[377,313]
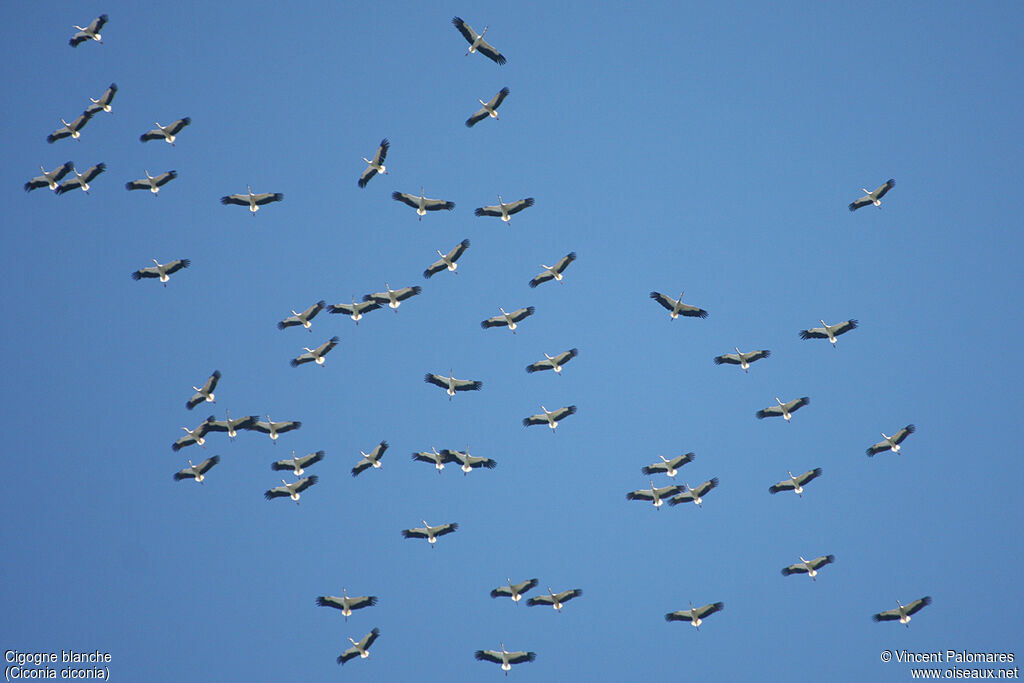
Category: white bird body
[71,130]
[874,197]
[784,410]
[371,459]
[275,429]
[304,319]
[509,320]
[554,272]
[556,600]
[654,494]
[103,103]
[161,271]
[317,355]
[476,41]
[50,179]
[829,332]
[514,591]
[809,567]
[742,359]
[490,109]
[345,603]
[197,472]
[360,649]
[168,133]
[669,467]
[193,436]
[431,533]
[204,393]
[676,307]
[152,183]
[421,203]
[550,418]
[252,200]
[467,461]
[393,297]
[505,211]
[902,612]
[355,311]
[891,443]
[696,615]
[504,657]
[433,457]
[232,426]
[293,490]
[448,261]
[81,180]
[796,483]
[90,32]
[297,465]
[553,362]
[452,385]
[694,495]
[375,165]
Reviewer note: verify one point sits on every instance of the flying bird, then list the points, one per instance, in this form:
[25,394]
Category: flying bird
[161,271]
[274,429]
[467,461]
[81,180]
[370,460]
[514,590]
[504,657]
[795,484]
[152,183]
[829,332]
[784,410]
[71,130]
[891,443]
[393,297]
[297,465]
[193,436]
[556,600]
[551,419]
[451,385]
[317,355]
[504,211]
[873,197]
[103,103]
[204,393]
[305,319]
[253,201]
[477,42]
[49,179]
[376,165]
[554,272]
[293,490]
[509,320]
[197,472]
[742,359]
[448,261]
[655,495]
[695,616]
[232,426]
[168,133]
[360,649]
[431,533]
[809,567]
[90,32]
[553,362]
[421,203]
[354,311]
[694,495]
[902,612]
[676,307]
[438,460]
[345,603]
[490,108]
[668,467]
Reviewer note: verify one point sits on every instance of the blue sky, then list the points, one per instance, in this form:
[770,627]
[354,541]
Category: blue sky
[710,149]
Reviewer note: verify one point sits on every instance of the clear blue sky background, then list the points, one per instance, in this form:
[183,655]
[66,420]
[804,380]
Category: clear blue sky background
[710,148]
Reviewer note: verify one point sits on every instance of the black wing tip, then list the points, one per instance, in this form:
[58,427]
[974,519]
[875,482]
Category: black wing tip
[449,206]
[479,211]
[225,200]
[773,489]
[137,275]
[786,571]
[533,284]
[504,91]
[500,59]
[295,362]
[719,360]
[530,310]
[397,196]
[526,422]
[910,429]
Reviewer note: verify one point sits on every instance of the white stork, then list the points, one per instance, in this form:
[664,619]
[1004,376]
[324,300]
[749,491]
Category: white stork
[438,460]
[676,307]
[197,472]
[504,657]
[669,467]
[297,465]
[305,319]
[49,178]
[891,443]
[514,590]
[345,603]
[232,426]
[655,495]
[785,410]
[902,612]
[360,649]
[393,297]
[152,183]
[504,211]
[168,133]
[90,32]
[317,355]
[554,272]
[508,319]
[829,332]
[293,490]
[477,42]
[467,461]
[193,436]
[556,600]
[354,311]
[103,103]
[70,130]
[742,359]
[376,165]
[873,197]
[795,484]
[448,261]
[809,567]
[162,271]
[275,429]
[695,615]
[421,203]
[253,201]
[431,533]
[451,385]
[553,362]
[695,495]
[371,459]
[550,418]
[204,393]
[490,109]
[81,180]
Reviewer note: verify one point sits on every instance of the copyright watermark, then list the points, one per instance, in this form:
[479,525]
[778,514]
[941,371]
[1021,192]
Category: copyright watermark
[954,657]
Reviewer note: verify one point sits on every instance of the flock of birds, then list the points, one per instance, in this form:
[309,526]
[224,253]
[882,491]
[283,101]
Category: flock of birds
[297,466]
